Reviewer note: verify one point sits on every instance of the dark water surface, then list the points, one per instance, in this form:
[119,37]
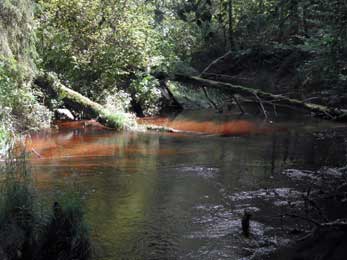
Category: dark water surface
[181,196]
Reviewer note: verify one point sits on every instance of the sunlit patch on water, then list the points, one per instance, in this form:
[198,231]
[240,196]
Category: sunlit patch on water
[222,223]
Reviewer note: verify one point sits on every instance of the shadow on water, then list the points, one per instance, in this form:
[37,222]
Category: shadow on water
[175,196]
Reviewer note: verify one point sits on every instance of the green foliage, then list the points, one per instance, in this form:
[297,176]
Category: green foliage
[97,46]
[17,216]
[106,49]
[17,194]
[16,32]
[3,137]
[117,106]
[145,89]
[317,27]
[66,235]
[18,211]
[116,100]
[112,118]
[19,109]
[119,121]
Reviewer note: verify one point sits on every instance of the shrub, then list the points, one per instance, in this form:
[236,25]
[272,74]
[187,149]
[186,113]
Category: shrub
[146,92]
[117,100]
[19,109]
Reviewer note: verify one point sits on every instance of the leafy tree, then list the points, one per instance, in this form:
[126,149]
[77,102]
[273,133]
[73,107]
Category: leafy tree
[19,109]
[99,46]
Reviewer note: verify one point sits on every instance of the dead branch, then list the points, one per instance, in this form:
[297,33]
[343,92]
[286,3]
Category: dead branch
[261,106]
[215,62]
[209,99]
[238,104]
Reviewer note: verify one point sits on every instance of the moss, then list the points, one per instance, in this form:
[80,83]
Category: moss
[118,121]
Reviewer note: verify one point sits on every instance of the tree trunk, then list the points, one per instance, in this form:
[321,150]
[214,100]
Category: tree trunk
[51,85]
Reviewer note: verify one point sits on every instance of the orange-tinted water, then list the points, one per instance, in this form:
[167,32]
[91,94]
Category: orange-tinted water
[75,138]
[213,123]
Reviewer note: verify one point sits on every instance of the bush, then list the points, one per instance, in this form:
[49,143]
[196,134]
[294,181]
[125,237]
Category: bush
[19,109]
[117,100]
[146,93]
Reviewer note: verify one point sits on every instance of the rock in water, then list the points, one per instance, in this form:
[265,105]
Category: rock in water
[245,223]
[63,113]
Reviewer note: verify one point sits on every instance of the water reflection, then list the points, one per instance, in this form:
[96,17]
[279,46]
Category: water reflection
[169,196]
[208,122]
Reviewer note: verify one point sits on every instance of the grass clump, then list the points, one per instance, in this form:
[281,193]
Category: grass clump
[29,231]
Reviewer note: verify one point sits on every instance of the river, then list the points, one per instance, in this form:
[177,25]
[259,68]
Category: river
[151,195]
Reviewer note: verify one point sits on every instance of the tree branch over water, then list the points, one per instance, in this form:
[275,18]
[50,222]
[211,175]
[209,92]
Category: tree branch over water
[321,111]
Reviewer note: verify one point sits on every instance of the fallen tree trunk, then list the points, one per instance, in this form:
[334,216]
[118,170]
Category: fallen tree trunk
[50,84]
[265,97]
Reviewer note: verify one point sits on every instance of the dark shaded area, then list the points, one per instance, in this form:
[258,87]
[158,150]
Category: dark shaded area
[265,68]
[63,237]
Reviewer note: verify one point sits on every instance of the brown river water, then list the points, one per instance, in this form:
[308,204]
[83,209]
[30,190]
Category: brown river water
[151,195]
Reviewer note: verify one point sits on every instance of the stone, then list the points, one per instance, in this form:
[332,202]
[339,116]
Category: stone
[63,113]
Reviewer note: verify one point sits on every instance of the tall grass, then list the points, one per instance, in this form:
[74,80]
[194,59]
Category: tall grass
[30,232]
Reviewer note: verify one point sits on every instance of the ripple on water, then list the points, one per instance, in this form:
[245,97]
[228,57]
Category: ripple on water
[266,194]
[299,175]
[219,225]
[201,171]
